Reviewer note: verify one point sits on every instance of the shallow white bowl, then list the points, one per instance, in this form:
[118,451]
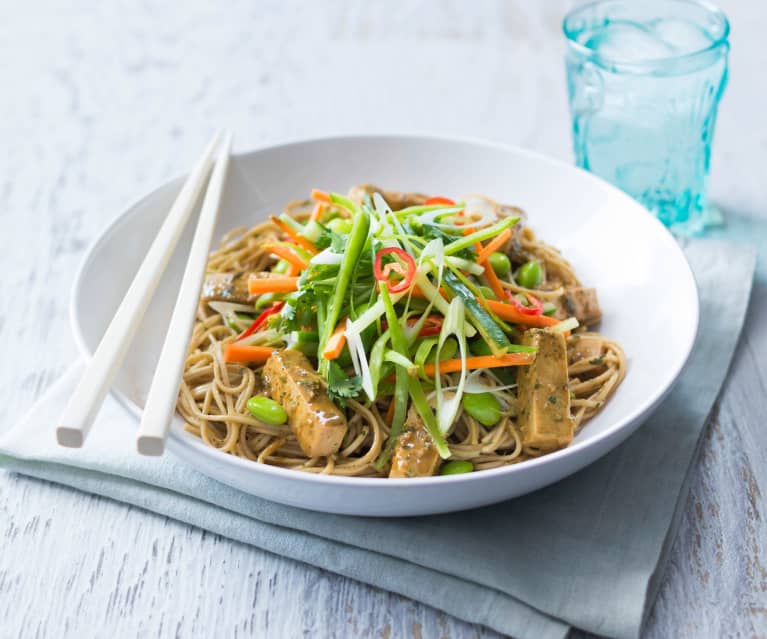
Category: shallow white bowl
[645,286]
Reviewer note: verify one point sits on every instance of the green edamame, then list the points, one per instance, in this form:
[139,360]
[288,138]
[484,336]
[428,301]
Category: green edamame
[500,263]
[456,467]
[267,410]
[530,274]
[483,407]
[487,292]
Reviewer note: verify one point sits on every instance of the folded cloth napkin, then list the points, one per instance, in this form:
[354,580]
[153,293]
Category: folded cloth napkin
[586,552]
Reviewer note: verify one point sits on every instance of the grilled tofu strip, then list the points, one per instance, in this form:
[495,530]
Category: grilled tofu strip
[544,397]
[227,287]
[319,425]
[415,454]
[580,303]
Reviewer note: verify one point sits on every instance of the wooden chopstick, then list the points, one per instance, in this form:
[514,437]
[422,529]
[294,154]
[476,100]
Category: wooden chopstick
[103,366]
[163,393]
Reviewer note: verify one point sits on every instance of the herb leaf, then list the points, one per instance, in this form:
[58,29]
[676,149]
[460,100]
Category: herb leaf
[342,387]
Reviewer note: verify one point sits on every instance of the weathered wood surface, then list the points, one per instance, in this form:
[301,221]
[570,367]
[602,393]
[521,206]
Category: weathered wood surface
[104,102]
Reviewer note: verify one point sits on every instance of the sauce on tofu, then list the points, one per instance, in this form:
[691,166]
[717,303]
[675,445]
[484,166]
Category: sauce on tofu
[415,454]
[544,396]
[319,425]
[226,287]
[580,303]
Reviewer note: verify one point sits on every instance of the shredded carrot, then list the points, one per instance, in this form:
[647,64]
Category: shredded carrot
[282,284]
[319,209]
[287,254]
[390,412]
[292,271]
[321,196]
[336,342]
[510,314]
[244,353]
[301,241]
[493,245]
[494,282]
[482,361]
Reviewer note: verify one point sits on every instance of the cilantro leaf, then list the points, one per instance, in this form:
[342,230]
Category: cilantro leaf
[340,386]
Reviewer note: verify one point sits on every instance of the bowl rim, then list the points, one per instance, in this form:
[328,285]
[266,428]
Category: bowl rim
[182,439]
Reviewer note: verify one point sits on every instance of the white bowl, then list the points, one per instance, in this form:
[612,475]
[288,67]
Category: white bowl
[646,289]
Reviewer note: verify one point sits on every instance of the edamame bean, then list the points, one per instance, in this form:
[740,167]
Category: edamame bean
[456,467]
[483,407]
[549,309]
[500,263]
[267,410]
[530,274]
[340,225]
[487,292]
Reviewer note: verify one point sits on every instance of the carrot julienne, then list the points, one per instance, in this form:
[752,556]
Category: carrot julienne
[336,342]
[287,254]
[244,353]
[301,241]
[282,284]
[317,212]
[321,196]
[493,245]
[481,361]
[511,314]
[494,282]
[438,199]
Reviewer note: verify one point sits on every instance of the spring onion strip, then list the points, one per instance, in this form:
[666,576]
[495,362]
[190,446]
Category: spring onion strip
[376,361]
[426,414]
[388,218]
[466,265]
[413,384]
[478,236]
[326,258]
[433,254]
[425,208]
[448,407]
[342,200]
[440,303]
[357,239]
[569,324]
[400,360]
[360,362]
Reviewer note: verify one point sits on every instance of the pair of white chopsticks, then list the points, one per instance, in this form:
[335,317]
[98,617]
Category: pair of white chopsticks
[106,361]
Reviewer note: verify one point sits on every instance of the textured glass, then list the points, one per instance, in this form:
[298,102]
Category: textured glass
[644,81]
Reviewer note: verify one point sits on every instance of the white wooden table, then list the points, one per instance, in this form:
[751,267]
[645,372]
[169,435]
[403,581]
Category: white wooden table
[102,103]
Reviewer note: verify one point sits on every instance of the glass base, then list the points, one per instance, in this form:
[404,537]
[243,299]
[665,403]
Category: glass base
[697,224]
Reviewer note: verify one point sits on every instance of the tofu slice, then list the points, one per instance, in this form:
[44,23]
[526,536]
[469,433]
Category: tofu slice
[227,287]
[319,425]
[585,348]
[415,454]
[580,303]
[544,397]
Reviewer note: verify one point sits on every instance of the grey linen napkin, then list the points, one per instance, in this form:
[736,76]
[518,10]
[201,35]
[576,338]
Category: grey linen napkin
[586,552]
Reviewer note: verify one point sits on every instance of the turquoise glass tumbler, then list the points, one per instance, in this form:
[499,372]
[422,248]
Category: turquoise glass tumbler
[644,82]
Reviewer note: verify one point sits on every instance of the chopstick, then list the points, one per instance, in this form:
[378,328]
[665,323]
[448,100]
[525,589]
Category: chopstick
[163,393]
[100,372]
